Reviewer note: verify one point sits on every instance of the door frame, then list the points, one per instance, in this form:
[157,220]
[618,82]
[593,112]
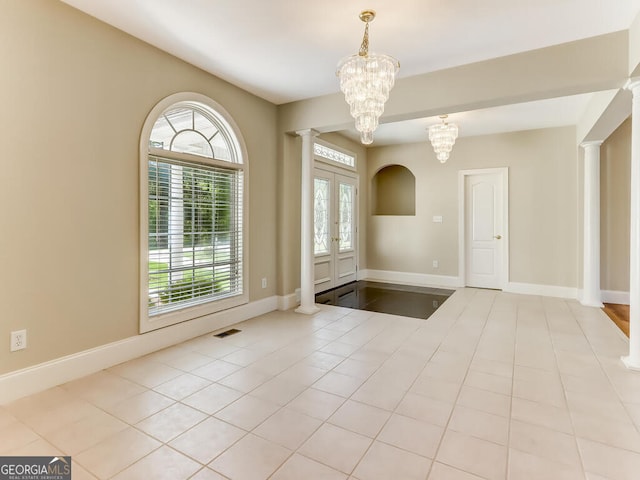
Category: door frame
[462,176]
[337,168]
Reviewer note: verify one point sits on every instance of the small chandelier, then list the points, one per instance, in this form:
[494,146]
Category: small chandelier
[366,80]
[443,136]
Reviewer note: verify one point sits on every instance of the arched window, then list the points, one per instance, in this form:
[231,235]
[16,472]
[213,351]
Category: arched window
[192,191]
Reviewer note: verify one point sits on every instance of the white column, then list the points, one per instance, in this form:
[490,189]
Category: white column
[591,243]
[307,293]
[633,360]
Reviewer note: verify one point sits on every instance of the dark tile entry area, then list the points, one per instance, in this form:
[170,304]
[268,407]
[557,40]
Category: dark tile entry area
[405,300]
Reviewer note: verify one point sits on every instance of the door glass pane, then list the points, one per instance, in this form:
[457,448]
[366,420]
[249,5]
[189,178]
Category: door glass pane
[321,216]
[346,207]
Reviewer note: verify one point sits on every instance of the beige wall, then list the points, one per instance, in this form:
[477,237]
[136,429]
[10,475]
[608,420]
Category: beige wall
[542,201]
[615,171]
[76,93]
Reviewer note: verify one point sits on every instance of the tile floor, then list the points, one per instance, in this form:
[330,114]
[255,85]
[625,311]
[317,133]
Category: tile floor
[492,386]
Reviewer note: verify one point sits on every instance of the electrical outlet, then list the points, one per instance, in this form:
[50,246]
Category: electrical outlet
[435,264]
[264,283]
[18,340]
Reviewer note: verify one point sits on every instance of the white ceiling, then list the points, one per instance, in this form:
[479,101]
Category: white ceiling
[283,50]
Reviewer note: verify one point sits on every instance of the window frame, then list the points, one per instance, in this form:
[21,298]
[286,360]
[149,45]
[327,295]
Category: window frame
[148,322]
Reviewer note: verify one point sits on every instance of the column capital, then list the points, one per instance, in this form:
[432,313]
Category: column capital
[591,143]
[307,132]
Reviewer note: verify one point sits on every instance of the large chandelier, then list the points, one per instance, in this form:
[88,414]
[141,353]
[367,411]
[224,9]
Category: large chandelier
[443,136]
[366,80]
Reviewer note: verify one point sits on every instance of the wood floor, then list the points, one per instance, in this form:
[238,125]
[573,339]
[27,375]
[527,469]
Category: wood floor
[619,314]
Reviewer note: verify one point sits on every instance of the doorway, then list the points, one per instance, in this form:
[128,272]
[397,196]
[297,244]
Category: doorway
[335,200]
[483,228]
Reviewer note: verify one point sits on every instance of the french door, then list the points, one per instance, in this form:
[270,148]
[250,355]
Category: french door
[335,229]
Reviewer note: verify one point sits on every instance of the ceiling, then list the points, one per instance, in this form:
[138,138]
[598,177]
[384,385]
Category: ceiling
[285,51]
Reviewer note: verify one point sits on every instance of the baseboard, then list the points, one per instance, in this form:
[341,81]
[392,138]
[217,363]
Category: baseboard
[544,290]
[287,302]
[409,278]
[613,296]
[30,380]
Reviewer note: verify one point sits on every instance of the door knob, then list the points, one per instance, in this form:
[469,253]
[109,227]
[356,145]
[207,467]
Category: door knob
[497,237]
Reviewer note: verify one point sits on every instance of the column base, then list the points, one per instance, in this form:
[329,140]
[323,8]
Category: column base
[589,303]
[307,310]
[630,363]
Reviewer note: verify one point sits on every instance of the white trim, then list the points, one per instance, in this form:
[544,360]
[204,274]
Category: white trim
[27,381]
[544,290]
[409,278]
[147,323]
[614,296]
[504,171]
[287,302]
[327,161]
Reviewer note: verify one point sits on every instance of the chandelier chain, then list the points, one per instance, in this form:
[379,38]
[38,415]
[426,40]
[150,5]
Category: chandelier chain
[364,48]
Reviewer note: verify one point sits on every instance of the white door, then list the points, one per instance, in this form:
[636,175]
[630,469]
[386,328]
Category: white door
[335,245]
[485,205]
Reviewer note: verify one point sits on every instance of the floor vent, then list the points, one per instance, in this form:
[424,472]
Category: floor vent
[226,333]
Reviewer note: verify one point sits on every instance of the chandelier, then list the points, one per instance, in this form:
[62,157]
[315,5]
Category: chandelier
[443,136]
[366,80]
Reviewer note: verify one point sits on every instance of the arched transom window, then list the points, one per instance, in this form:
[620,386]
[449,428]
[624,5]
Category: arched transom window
[194,211]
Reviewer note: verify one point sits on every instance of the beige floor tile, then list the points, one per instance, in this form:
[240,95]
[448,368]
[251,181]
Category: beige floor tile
[171,422]
[360,418]
[437,389]
[502,369]
[245,379]
[182,386]
[207,440]
[288,428]
[610,462]
[247,412]
[322,447]
[524,466]
[163,464]
[139,407]
[487,381]
[324,361]
[385,462]
[146,372]
[245,356]
[85,433]
[39,447]
[212,398]
[550,392]
[216,370]
[473,455]
[33,405]
[426,409]
[188,361]
[356,368]
[339,348]
[299,467]
[544,442]
[475,423]
[338,384]
[316,403]
[440,471]
[302,373]
[252,458]
[103,388]
[542,414]
[485,401]
[207,474]
[612,410]
[279,391]
[117,452]
[412,435]
[55,417]
[378,393]
[616,434]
